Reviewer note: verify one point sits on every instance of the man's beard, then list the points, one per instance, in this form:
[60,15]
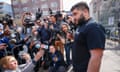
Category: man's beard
[81,20]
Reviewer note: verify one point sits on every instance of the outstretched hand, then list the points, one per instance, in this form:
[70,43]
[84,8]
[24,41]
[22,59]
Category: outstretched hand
[39,54]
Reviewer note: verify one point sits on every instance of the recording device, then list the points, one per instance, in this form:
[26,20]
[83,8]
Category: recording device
[7,19]
[38,45]
[28,21]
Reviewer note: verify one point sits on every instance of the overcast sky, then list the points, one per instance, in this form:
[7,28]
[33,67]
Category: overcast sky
[8,1]
[67,4]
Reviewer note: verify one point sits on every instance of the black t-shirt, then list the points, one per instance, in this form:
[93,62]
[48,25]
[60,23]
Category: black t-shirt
[87,37]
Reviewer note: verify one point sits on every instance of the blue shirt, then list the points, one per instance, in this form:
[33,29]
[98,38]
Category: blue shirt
[44,34]
[3,40]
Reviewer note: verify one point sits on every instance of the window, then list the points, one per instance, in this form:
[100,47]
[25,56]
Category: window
[45,12]
[44,6]
[25,9]
[54,4]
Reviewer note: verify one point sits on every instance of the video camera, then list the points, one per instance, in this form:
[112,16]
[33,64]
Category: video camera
[28,21]
[7,19]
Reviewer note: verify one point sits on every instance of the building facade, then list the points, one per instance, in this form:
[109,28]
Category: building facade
[5,8]
[107,12]
[21,6]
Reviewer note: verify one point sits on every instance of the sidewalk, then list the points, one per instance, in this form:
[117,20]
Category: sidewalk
[110,62]
[111,58]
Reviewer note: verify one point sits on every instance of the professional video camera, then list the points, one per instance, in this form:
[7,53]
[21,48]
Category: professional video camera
[28,21]
[7,19]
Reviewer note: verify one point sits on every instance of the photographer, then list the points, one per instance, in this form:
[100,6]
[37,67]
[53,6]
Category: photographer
[69,20]
[7,20]
[12,45]
[57,64]
[44,33]
[5,42]
[44,62]
[67,40]
[59,17]
[27,22]
[55,29]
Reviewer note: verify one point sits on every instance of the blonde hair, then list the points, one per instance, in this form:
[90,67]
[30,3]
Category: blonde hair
[5,60]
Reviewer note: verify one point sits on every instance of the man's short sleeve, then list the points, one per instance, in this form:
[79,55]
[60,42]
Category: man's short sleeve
[95,38]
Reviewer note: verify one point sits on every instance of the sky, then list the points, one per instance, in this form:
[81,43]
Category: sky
[8,1]
[67,4]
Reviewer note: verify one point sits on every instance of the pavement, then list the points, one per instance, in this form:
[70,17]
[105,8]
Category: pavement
[111,57]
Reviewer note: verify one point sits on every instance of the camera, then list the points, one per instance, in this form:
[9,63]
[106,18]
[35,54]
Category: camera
[28,21]
[39,45]
[7,19]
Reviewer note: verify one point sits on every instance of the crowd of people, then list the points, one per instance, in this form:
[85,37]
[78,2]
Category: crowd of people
[45,44]
[53,35]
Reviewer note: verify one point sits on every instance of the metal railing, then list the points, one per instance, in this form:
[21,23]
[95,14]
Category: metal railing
[113,39]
